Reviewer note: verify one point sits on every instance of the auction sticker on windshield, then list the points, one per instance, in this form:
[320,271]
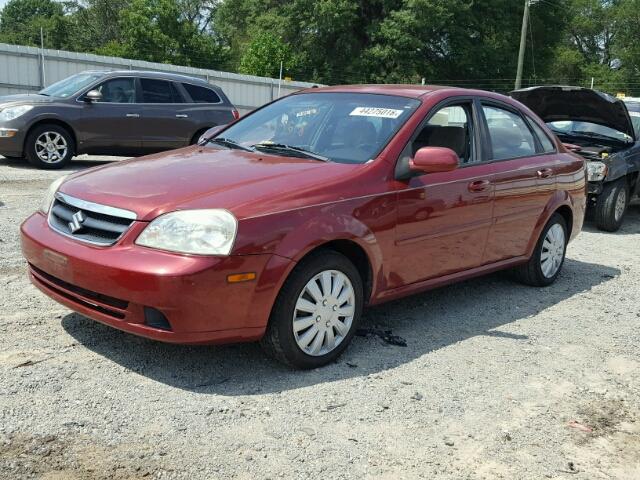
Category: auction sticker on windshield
[376,112]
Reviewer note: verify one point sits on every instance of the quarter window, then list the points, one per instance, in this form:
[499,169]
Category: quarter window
[509,135]
[545,141]
[118,90]
[201,94]
[159,91]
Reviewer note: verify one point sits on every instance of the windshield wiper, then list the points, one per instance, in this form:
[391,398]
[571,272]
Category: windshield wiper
[227,142]
[290,148]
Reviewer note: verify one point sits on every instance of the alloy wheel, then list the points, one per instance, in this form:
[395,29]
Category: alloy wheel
[553,248]
[51,147]
[324,313]
[621,204]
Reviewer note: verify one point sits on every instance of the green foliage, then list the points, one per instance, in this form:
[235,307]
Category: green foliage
[462,42]
[22,20]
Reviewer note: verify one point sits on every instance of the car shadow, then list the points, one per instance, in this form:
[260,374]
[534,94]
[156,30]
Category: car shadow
[427,321]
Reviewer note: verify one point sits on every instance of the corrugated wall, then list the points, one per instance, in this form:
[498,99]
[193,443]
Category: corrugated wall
[21,72]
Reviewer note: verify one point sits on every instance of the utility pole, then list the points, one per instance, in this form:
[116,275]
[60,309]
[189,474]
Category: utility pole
[523,44]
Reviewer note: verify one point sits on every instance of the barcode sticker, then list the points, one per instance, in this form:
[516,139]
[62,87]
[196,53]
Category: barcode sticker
[376,112]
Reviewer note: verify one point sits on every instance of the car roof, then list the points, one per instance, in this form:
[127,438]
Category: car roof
[405,90]
[176,77]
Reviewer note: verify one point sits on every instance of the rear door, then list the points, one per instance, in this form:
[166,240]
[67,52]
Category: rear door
[523,173]
[112,125]
[167,122]
[444,218]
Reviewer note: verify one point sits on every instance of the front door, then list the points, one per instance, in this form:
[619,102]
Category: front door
[111,125]
[443,218]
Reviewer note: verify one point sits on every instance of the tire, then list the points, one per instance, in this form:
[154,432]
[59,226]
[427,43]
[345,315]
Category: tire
[50,141]
[611,206]
[534,272]
[282,343]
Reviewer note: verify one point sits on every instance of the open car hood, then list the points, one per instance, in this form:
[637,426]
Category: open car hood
[558,103]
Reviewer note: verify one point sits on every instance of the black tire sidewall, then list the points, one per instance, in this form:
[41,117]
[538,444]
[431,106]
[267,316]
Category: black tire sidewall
[30,147]
[606,206]
[542,279]
[282,314]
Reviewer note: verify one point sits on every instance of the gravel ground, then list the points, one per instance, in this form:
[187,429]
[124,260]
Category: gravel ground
[497,380]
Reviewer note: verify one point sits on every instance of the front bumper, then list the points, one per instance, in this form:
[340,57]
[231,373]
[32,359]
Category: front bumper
[11,146]
[113,285]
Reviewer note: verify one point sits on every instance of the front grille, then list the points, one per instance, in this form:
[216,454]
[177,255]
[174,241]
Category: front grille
[89,222]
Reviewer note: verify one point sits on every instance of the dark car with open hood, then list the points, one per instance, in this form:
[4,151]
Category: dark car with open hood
[110,113]
[602,129]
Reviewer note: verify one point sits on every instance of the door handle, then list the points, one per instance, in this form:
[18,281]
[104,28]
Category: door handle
[479,185]
[181,115]
[133,115]
[545,173]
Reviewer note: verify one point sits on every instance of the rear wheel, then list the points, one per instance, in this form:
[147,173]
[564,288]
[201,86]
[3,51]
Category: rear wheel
[316,312]
[49,147]
[545,264]
[611,206]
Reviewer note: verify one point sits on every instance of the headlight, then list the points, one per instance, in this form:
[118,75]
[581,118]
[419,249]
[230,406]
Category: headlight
[203,232]
[49,196]
[14,112]
[596,171]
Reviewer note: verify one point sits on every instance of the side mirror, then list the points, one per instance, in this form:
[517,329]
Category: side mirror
[433,160]
[92,96]
[209,134]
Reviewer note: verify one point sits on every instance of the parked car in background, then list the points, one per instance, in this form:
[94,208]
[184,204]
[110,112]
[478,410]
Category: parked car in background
[287,222]
[602,129]
[110,113]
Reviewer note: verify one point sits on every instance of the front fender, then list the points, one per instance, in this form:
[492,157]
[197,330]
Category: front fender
[320,230]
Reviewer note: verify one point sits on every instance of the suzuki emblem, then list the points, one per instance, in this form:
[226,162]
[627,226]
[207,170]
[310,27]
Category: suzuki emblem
[76,221]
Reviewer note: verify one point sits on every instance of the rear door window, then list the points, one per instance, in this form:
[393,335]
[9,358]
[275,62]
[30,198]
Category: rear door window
[509,135]
[201,94]
[159,91]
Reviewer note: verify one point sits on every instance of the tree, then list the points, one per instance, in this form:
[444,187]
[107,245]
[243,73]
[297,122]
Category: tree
[21,21]
[263,54]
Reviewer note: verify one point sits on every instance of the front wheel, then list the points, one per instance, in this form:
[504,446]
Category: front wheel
[611,206]
[545,264]
[316,312]
[49,147]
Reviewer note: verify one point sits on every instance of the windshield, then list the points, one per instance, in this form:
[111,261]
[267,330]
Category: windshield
[72,85]
[634,114]
[587,129]
[339,127]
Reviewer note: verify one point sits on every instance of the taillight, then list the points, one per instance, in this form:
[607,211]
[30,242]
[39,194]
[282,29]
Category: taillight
[235,113]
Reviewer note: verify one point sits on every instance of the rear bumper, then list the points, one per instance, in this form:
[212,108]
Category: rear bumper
[113,285]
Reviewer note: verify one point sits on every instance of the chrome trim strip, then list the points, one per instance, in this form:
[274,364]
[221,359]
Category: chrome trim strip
[96,207]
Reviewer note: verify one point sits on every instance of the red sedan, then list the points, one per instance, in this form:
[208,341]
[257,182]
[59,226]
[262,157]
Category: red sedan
[283,225]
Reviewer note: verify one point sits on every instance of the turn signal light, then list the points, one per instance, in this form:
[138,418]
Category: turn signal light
[241,277]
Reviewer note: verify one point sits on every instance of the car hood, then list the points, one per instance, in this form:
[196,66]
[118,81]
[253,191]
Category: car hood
[29,99]
[246,183]
[559,103]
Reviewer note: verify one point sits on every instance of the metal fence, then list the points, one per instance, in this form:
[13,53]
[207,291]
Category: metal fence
[29,69]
